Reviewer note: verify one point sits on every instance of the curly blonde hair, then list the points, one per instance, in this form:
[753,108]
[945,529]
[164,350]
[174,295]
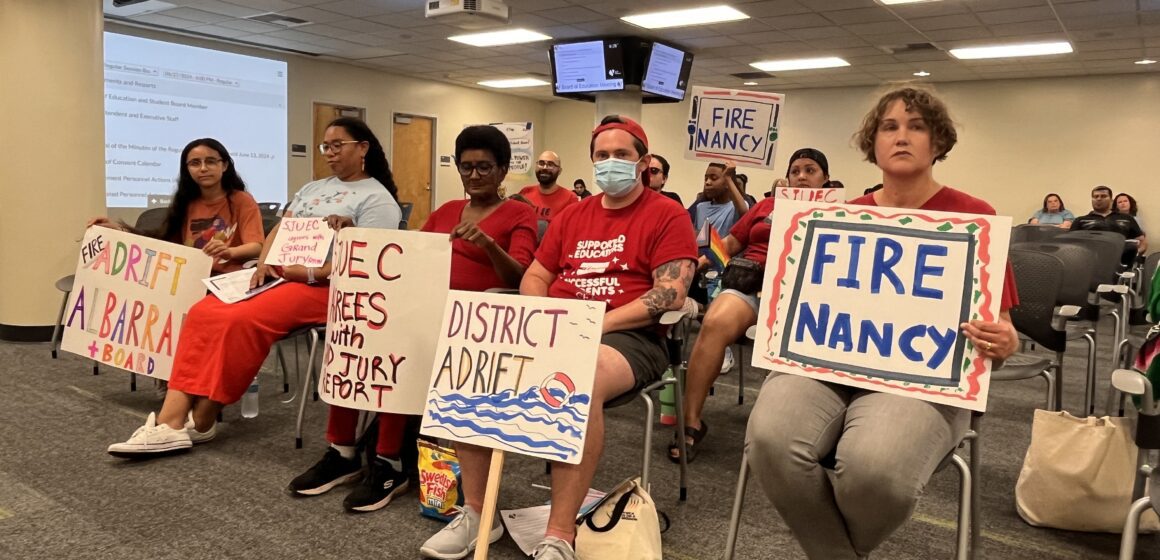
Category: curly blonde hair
[934,112]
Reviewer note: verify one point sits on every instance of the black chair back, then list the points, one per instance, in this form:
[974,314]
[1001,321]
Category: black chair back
[1079,278]
[406,207]
[269,222]
[270,208]
[1108,247]
[1038,277]
[152,220]
[1033,232]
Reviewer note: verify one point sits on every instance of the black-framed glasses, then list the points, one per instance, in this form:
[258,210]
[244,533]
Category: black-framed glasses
[334,146]
[208,162]
[484,168]
[547,164]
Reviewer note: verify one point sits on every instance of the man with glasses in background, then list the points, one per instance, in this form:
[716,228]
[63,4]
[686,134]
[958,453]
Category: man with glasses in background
[548,197]
[658,175]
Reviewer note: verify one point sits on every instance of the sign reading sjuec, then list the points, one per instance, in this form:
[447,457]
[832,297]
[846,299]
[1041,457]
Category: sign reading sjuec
[734,125]
[873,297]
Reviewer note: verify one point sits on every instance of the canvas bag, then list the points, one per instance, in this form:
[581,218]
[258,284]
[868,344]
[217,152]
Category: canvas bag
[623,525]
[1078,474]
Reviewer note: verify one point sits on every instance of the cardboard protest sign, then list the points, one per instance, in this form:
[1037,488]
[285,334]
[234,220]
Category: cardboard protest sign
[129,300]
[873,298]
[515,373]
[519,135]
[301,241]
[825,194]
[736,125]
[386,290]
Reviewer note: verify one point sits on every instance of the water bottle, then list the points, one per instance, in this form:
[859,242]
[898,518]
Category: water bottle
[250,400]
[668,401]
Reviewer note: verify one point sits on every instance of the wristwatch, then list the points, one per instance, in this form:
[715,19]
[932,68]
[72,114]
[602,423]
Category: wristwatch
[310,276]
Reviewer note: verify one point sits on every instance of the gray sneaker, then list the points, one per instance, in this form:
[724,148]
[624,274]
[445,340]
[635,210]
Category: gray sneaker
[552,548]
[457,539]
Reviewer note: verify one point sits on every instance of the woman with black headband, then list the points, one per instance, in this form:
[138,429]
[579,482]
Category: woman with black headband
[735,308]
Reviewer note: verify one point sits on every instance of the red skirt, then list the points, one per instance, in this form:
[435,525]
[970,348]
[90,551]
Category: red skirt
[222,346]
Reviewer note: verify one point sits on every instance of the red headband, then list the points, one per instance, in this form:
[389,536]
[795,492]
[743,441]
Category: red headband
[630,126]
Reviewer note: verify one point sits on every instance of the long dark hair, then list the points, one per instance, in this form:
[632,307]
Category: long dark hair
[1132,208]
[1057,197]
[375,163]
[188,190]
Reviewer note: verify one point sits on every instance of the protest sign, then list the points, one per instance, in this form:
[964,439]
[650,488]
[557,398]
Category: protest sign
[873,298]
[824,194]
[729,124]
[515,373]
[386,290]
[301,241]
[129,300]
[519,135]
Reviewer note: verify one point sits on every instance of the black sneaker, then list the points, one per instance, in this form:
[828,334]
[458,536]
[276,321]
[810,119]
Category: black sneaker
[380,485]
[328,472]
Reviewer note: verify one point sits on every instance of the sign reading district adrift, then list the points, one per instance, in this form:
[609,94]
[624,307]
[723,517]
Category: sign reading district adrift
[735,125]
[873,298]
[515,373]
[381,326]
[129,300]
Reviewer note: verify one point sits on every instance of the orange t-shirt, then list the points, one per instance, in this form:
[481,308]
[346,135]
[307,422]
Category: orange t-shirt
[548,206]
[215,220]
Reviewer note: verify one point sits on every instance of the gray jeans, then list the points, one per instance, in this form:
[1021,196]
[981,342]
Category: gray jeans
[886,448]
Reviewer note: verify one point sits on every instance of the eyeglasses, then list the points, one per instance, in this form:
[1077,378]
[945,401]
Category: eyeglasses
[548,164]
[484,168]
[208,162]
[654,170]
[334,146]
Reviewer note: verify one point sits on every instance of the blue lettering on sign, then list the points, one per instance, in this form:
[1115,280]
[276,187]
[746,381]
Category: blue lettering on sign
[840,333]
[732,130]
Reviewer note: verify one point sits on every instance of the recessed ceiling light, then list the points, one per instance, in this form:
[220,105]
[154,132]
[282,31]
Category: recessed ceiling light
[1146,61]
[683,18]
[922,73]
[513,83]
[893,2]
[497,38]
[1004,51]
[749,84]
[799,64]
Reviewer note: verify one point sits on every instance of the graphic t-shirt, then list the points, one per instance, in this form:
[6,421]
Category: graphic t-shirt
[951,200]
[608,255]
[752,231]
[367,201]
[548,206]
[513,227]
[234,219]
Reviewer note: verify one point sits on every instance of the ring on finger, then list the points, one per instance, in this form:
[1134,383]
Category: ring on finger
[988,346]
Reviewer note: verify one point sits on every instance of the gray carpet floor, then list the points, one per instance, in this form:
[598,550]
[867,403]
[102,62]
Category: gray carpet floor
[62,496]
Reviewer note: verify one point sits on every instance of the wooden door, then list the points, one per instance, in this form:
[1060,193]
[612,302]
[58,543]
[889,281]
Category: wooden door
[412,161]
[324,113]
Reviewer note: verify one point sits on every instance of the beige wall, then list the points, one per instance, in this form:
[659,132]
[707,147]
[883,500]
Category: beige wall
[1018,140]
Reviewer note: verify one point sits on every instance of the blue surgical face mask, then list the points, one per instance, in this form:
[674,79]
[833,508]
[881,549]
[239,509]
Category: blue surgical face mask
[615,176]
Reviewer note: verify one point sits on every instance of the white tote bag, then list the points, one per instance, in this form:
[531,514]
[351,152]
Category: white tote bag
[624,525]
[1078,474]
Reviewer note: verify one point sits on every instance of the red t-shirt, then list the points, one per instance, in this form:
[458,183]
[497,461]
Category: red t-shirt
[951,200]
[752,231]
[548,206]
[513,227]
[609,255]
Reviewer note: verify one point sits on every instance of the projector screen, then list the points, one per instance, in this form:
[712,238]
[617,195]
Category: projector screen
[159,96]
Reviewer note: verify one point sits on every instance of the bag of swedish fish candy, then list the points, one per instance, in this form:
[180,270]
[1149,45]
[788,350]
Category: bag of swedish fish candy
[439,481]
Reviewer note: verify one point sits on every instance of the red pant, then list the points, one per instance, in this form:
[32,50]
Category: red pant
[343,422]
[222,346]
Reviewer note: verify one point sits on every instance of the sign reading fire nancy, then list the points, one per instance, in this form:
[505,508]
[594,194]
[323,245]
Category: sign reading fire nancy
[515,373]
[740,126]
[873,298]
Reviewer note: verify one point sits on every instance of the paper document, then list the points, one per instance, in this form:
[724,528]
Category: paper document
[233,287]
[527,525]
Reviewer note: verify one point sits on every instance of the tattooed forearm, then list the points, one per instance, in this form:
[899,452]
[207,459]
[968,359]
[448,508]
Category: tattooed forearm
[671,282]
[659,300]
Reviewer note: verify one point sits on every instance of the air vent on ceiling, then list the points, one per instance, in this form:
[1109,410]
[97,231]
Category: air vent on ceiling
[279,19]
[753,75]
[908,48]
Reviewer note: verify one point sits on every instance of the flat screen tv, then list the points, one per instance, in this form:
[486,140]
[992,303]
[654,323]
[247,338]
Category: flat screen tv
[581,68]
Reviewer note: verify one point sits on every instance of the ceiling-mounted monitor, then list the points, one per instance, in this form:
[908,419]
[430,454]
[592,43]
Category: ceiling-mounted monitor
[581,68]
[666,71]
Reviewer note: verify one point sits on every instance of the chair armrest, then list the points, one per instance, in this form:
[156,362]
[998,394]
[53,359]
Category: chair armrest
[1062,314]
[1136,384]
[1120,289]
[1127,275]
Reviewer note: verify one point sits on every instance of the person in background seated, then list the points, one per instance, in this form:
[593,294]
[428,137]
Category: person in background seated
[492,241]
[779,183]
[1053,213]
[210,210]
[222,346]
[548,197]
[885,446]
[1104,217]
[657,260]
[735,308]
[1126,204]
[580,189]
[658,176]
[719,205]
[742,181]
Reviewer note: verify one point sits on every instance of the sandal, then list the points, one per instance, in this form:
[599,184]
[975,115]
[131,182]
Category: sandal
[691,448]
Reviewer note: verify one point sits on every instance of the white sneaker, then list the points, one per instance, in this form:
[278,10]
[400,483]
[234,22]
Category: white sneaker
[152,439]
[457,539]
[199,437]
[552,548]
[727,364]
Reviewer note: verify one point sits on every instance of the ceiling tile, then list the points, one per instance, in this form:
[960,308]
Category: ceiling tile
[219,31]
[862,15]
[944,22]
[223,8]
[1016,15]
[165,21]
[573,14]
[251,26]
[355,8]
[360,25]
[266,5]
[797,21]
[314,15]
[878,28]
[1095,8]
[1025,28]
[770,8]
[195,15]
[966,33]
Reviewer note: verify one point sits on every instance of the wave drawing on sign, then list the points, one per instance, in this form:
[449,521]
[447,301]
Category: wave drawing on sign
[542,419]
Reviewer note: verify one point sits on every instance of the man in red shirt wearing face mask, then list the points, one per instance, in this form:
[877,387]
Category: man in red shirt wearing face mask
[631,248]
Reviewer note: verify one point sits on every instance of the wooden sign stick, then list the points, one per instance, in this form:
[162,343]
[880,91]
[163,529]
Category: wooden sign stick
[486,517]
